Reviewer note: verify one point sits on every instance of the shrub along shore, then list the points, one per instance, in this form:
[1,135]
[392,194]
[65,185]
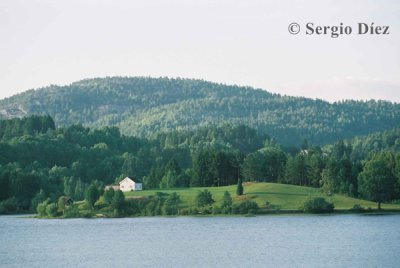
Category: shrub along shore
[253,199]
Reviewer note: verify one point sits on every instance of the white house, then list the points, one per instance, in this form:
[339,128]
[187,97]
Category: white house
[127,185]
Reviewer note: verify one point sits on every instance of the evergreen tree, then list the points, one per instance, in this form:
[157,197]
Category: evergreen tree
[91,195]
[329,177]
[152,180]
[290,171]
[109,195]
[315,170]
[129,168]
[239,189]
[253,167]
[328,181]
[301,170]
[118,202]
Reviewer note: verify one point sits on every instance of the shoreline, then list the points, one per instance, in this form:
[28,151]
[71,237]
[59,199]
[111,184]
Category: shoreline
[274,213]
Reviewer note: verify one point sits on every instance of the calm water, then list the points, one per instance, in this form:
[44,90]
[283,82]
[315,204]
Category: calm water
[264,241]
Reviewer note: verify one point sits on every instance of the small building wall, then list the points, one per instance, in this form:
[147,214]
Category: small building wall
[138,186]
[127,186]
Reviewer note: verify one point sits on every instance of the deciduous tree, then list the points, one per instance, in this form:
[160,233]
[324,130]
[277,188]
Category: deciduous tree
[377,181]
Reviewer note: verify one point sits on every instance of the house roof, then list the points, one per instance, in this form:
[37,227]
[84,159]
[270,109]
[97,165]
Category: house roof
[127,179]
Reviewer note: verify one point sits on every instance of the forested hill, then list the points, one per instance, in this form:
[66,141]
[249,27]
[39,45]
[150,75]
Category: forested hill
[363,147]
[141,106]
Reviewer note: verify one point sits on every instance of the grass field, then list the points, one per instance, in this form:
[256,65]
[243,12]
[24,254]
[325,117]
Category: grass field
[282,196]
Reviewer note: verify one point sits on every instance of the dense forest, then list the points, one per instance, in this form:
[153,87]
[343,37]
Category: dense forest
[40,161]
[144,107]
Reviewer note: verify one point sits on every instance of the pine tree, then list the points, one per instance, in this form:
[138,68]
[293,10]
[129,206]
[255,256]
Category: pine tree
[239,189]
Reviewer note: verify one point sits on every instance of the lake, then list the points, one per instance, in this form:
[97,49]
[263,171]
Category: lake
[263,241]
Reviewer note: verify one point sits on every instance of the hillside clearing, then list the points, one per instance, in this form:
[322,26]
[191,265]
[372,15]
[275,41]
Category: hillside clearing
[279,196]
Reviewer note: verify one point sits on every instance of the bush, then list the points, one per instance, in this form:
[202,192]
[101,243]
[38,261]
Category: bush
[193,211]
[184,211]
[204,198]
[9,206]
[216,210]
[205,210]
[41,208]
[226,207]
[318,205]
[71,212]
[170,206]
[245,207]
[358,208]
[86,214]
[83,206]
[270,206]
[51,210]
[132,207]
[153,208]
[101,203]
[226,210]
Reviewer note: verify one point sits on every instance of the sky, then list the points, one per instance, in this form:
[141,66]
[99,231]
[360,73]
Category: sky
[245,42]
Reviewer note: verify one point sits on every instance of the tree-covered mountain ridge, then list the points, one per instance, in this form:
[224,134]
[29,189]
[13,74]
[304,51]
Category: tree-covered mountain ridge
[143,106]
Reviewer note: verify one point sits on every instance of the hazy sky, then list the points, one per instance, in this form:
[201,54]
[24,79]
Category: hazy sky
[234,42]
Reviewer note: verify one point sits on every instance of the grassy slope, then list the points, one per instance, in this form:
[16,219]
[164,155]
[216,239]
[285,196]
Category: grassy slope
[286,197]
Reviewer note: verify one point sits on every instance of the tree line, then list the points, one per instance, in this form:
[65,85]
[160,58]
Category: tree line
[40,163]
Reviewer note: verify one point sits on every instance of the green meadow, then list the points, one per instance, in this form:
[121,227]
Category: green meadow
[278,196]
